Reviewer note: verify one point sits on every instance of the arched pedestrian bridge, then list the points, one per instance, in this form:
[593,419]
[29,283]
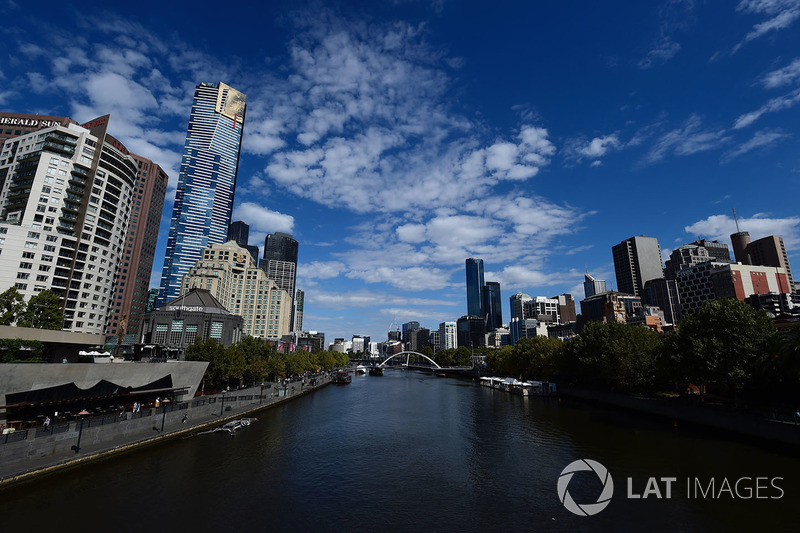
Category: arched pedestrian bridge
[409,364]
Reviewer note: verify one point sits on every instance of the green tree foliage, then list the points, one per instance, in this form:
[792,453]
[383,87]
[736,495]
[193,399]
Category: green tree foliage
[722,343]
[19,350]
[43,311]
[453,357]
[534,358]
[252,361]
[12,305]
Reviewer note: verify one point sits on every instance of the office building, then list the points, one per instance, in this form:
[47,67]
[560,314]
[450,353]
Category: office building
[448,339]
[526,328]
[592,286]
[685,256]
[418,339]
[636,261]
[230,274]
[475,284]
[740,240]
[492,306]
[434,339]
[206,183]
[132,282]
[298,305]
[471,331]
[664,294]
[19,124]
[239,232]
[280,263]
[566,308]
[542,309]
[718,251]
[770,251]
[408,327]
[610,306]
[66,193]
[517,303]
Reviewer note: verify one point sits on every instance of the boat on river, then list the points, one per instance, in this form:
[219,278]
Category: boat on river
[521,388]
[342,378]
[376,371]
[361,370]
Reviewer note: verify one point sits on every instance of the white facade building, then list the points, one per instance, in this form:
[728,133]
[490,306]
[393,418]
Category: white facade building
[65,204]
[448,336]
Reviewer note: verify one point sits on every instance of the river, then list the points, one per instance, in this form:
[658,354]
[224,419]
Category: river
[413,452]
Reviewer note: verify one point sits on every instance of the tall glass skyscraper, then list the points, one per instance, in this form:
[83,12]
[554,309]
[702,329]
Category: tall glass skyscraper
[206,183]
[475,287]
[280,263]
[492,306]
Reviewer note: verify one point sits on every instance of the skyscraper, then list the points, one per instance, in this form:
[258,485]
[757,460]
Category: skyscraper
[132,283]
[492,306]
[636,261]
[239,232]
[517,304]
[280,263]
[475,287]
[770,251]
[592,286]
[206,183]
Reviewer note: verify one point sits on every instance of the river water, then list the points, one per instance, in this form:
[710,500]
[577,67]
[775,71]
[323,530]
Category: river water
[413,452]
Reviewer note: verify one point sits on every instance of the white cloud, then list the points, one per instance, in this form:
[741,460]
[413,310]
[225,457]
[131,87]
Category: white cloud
[776,104]
[689,139]
[262,220]
[594,149]
[320,270]
[761,139]
[665,50]
[781,13]
[783,76]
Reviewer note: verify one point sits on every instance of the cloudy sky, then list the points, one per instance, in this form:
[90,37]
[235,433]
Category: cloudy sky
[396,138]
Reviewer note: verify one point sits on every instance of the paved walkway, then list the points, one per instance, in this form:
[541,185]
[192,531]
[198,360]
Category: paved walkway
[146,433]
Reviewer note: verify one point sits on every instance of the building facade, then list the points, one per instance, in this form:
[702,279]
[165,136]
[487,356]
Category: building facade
[636,261]
[517,303]
[299,304]
[206,183]
[195,315]
[65,203]
[132,282]
[475,284]
[232,277]
[239,232]
[448,339]
[280,263]
[592,286]
[492,305]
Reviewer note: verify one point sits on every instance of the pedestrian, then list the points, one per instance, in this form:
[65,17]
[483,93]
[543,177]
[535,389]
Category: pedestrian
[46,421]
[185,418]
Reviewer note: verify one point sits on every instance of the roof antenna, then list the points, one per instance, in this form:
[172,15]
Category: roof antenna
[736,220]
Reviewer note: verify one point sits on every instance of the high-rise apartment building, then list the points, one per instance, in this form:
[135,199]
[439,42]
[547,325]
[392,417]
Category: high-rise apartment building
[492,306]
[66,193]
[239,232]
[592,286]
[132,282]
[230,274]
[206,183]
[475,286]
[636,261]
[447,336]
[280,262]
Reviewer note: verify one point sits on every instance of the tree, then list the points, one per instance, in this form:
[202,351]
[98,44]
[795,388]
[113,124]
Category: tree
[44,311]
[612,354]
[722,342]
[12,306]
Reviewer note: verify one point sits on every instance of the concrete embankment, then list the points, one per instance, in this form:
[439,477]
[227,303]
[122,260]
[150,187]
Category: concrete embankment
[43,451]
[729,420]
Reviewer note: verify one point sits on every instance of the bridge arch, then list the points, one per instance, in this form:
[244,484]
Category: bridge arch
[409,353]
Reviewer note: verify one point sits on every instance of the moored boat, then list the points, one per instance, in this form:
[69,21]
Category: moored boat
[342,378]
[376,371]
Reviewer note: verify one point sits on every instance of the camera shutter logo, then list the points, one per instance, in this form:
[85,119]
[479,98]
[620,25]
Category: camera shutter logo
[586,509]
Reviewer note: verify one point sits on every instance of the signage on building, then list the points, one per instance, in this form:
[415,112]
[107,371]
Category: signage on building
[28,122]
[192,308]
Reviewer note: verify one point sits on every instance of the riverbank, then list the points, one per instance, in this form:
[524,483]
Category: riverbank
[44,451]
[734,421]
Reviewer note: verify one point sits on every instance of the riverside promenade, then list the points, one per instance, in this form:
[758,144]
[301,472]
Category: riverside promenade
[35,452]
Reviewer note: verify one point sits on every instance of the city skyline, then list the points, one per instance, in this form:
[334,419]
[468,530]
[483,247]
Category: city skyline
[392,144]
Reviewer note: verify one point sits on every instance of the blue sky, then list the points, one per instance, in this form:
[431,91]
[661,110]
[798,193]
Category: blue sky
[394,139]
